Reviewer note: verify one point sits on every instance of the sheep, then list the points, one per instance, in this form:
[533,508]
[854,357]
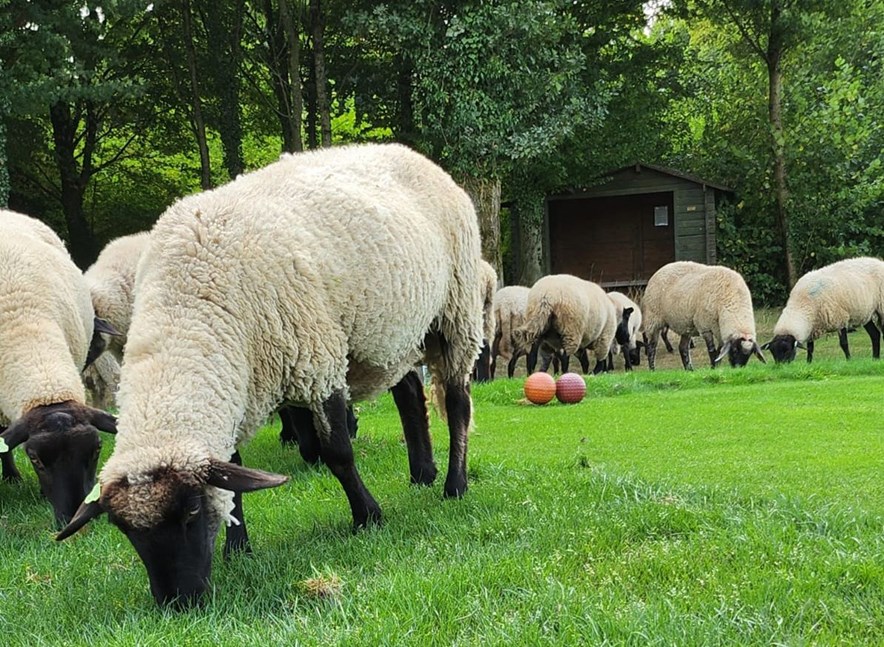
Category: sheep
[508,307]
[709,300]
[843,295]
[629,322]
[568,314]
[46,324]
[111,280]
[321,278]
[482,369]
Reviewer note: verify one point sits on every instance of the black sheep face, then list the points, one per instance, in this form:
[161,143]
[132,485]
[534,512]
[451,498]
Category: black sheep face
[740,352]
[62,443]
[783,348]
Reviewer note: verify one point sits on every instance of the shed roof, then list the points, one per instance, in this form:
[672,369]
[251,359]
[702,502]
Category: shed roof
[668,171]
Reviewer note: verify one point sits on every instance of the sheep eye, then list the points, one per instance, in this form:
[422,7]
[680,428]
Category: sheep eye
[193,511]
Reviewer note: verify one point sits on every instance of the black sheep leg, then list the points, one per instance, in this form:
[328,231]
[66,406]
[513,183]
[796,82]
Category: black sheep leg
[301,420]
[459,409]
[237,539]
[408,395]
[684,349]
[875,336]
[809,345]
[330,418]
[710,347]
[842,341]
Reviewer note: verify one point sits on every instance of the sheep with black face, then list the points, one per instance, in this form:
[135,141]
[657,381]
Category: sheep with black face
[322,278]
[840,296]
[46,325]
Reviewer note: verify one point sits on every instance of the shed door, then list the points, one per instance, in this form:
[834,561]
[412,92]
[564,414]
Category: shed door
[612,240]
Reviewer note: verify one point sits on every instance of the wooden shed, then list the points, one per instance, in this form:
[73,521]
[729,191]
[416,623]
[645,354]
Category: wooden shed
[635,220]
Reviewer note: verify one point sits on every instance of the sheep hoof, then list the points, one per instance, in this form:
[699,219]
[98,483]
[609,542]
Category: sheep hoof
[424,475]
[455,487]
[372,517]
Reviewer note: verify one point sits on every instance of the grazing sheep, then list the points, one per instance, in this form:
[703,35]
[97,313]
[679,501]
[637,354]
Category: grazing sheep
[629,322]
[568,314]
[843,295]
[696,299]
[509,314]
[324,277]
[111,280]
[46,324]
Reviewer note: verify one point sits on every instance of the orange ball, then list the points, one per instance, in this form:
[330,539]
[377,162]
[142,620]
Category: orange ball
[540,388]
[570,388]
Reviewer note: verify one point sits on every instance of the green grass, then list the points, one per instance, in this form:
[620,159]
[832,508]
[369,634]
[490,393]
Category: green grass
[716,507]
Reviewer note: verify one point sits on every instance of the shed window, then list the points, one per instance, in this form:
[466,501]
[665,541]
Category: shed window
[661,216]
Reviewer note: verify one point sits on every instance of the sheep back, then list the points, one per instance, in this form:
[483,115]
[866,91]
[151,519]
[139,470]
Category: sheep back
[46,318]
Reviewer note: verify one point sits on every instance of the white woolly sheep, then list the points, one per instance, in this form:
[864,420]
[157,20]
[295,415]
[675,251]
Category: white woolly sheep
[46,324]
[843,295]
[324,277]
[629,322]
[568,314]
[509,307]
[696,299]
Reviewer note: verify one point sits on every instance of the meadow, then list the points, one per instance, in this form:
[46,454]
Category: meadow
[715,507]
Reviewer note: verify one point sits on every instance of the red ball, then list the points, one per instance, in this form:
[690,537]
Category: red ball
[540,388]
[570,388]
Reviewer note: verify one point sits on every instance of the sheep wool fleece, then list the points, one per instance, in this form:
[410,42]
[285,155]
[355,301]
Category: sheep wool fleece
[323,272]
[46,318]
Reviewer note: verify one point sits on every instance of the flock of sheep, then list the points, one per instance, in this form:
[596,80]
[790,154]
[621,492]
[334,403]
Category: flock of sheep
[322,279]
[562,315]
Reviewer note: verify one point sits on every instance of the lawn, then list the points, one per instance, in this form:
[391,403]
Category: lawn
[716,507]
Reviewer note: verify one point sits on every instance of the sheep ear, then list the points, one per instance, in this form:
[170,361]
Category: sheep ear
[798,344]
[103,421]
[724,351]
[766,346]
[15,435]
[84,514]
[229,476]
[102,325]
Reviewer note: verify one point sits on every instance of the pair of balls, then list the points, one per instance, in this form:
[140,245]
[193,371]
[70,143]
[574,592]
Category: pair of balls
[540,388]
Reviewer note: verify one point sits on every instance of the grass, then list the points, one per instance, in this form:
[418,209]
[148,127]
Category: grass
[716,507]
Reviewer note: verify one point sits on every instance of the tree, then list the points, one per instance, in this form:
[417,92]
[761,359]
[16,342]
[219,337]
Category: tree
[64,63]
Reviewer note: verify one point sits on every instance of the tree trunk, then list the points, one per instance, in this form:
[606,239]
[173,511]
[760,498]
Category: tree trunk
[322,102]
[82,243]
[404,90]
[293,69]
[223,29]
[529,216]
[199,123]
[774,57]
[310,99]
[485,194]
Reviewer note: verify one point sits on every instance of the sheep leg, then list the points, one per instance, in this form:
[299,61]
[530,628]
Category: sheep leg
[288,434]
[875,336]
[459,408]
[531,360]
[710,347]
[627,359]
[10,471]
[511,365]
[809,345]
[545,359]
[237,539]
[610,361]
[495,351]
[408,395]
[684,349]
[651,350]
[583,358]
[665,335]
[300,422]
[842,341]
[330,418]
